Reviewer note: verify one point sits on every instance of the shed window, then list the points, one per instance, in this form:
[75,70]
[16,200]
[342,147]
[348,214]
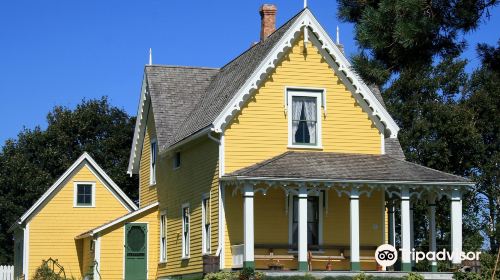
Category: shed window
[84,194]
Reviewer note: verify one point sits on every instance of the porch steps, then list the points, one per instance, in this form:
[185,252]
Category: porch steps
[321,274]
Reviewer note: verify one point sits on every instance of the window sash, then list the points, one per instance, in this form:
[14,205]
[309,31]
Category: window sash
[304,126]
[185,233]
[84,194]
[206,225]
[152,177]
[163,237]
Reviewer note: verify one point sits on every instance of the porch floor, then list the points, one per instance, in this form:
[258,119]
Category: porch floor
[321,274]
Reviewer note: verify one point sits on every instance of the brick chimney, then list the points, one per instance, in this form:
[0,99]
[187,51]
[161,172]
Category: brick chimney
[268,20]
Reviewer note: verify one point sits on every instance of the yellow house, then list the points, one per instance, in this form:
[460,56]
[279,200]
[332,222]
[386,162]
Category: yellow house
[281,159]
[82,198]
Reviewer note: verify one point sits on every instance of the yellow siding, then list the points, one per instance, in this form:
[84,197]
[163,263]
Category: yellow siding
[53,229]
[112,242]
[87,258]
[271,225]
[147,192]
[260,130]
[197,175]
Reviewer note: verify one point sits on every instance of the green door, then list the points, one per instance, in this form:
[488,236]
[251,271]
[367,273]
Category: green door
[136,251]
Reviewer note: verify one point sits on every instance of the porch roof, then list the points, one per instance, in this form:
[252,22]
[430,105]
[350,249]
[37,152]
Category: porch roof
[344,167]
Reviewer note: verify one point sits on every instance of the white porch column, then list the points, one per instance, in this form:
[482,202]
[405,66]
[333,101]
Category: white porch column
[392,222]
[354,231]
[248,229]
[412,230]
[302,231]
[405,229]
[456,225]
[432,229]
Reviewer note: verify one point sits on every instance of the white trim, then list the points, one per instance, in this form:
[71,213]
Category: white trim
[303,92]
[302,224]
[97,257]
[456,225]
[222,227]
[269,62]
[248,223]
[346,181]
[75,194]
[184,241]
[152,169]
[354,225]
[222,156]
[117,221]
[121,196]
[405,224]
[204,238]
[26,250]
[138,138]
[163,229]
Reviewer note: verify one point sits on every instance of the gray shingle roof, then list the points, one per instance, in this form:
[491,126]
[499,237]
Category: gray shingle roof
[343,166]
[175,90]
[227,83]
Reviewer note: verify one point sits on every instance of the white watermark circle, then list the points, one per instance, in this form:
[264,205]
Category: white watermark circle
[386,255]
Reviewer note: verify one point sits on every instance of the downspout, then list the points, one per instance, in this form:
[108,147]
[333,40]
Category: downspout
[213,138]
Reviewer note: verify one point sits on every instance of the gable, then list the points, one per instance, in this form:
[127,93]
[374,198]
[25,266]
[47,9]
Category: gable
[84,160]
[260,129]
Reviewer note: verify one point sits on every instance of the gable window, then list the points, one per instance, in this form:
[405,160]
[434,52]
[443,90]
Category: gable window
[185,231]
[152,170]
[205,204]
[163,237]
[84,195]
[304,118]
[177,160]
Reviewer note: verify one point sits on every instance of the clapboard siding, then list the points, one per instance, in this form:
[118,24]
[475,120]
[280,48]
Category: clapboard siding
[197,175]
[260,130]
[53,229]
[147,192]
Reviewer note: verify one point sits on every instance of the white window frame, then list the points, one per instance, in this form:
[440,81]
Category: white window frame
[163,235]
[206,235]
[321,200]
[319,94]
[186,240]
[75,194]
[175,164]
[152,167]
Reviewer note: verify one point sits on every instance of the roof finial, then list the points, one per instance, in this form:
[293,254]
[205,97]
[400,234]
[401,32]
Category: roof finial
[150,56]
[305,4]
[338,36]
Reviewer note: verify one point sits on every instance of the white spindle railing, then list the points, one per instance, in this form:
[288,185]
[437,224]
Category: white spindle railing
[6,272]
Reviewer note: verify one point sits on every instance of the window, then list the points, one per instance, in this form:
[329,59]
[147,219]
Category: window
[177,160]
[185,231]
[152,173]
[163,237]
[84,195]
[304,118]
[205,204]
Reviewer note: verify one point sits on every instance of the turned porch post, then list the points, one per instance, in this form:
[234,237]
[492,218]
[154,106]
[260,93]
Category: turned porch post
[302,231]
[405,229]
[354,229]
[248,226]
[456,225]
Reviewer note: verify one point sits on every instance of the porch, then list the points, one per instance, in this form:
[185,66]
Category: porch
[330,223]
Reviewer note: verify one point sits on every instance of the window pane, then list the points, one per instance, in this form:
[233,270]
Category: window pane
[84,194]
[304,119]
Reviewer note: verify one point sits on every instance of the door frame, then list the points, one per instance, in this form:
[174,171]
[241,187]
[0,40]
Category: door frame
[321,200]
[125,243]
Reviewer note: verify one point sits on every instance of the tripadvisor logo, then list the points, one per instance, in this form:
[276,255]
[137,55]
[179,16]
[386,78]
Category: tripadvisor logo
[386,255]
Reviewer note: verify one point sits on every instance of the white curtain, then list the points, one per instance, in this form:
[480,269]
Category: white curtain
[310,114]
[296,110]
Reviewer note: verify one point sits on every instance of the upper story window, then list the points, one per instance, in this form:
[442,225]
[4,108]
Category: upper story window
[163,236]
[185,231]
[84,195]
[152,169]
[177,160]
[304,113]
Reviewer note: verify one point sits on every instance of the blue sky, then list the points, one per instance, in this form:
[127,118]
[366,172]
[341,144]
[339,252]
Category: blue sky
[59,52]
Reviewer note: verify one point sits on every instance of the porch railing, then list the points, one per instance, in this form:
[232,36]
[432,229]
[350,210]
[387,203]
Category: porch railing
[237,252]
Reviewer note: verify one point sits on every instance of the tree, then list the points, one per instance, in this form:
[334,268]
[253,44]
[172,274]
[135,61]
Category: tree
[484,100]
[30,164]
